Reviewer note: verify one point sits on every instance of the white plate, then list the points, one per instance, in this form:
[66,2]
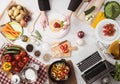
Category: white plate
[49,32]
[107,39]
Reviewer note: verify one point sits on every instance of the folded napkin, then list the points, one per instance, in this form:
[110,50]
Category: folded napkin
[3,5]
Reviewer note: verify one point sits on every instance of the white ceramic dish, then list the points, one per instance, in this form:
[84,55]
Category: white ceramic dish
[49,32]
[29,74]
[107,39]
[15,79]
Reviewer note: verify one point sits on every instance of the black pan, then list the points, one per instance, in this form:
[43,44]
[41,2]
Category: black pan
[49,71]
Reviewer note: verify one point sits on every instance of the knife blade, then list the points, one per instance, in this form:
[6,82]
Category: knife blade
[57,44]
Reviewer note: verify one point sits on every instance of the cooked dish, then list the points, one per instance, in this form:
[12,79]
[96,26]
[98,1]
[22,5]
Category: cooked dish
[60,71]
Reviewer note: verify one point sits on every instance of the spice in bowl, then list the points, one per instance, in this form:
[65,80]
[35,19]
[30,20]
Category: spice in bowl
[37,53]
[29,47]
[25,38]
[46,57]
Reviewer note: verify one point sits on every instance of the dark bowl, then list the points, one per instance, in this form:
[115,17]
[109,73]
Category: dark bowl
[50,68]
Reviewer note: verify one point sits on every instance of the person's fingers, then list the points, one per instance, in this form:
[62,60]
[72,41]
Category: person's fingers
[65,27]
[89,0]
[43,26]
[47,23]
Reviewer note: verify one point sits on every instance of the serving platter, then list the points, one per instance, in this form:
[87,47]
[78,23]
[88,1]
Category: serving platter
[107,39]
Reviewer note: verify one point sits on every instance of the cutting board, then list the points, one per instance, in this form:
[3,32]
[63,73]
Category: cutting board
[71,80]
[97,3]
[57,51]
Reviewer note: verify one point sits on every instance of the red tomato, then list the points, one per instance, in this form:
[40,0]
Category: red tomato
[14,63]
[56,25]
[23,53]
[18,57]
[109,29]
[21,64]
[61,47]
[65,46]
[17,69]
[25,59]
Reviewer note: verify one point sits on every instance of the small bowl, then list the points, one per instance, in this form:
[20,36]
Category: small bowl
[63,61]
[29,75]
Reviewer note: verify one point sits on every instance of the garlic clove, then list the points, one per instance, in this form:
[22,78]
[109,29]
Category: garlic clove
[80,42]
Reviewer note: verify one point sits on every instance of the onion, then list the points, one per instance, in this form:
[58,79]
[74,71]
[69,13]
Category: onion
[80,34]
[23,23]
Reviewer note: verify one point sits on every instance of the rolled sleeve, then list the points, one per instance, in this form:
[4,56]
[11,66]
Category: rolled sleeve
[74,4]
[44,5]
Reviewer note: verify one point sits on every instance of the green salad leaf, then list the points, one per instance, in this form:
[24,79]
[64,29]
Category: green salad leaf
[112,9]
[116,74]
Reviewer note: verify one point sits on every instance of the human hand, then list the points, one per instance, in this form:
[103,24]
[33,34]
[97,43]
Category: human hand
[44,19]
[89,0]
[67,20]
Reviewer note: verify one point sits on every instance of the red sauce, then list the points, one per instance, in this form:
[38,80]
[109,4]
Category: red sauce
[57,25]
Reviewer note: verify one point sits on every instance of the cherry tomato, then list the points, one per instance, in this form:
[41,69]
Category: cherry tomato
[65,46]
[23,53]
[61,47]
[14,63]
[66,51]
[17,69]
[18,57]
[21,64]
[25,59]
[108,29]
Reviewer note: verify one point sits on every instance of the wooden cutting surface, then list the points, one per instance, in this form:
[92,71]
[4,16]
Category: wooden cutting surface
[71,80]
[57,49]
[97,3]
